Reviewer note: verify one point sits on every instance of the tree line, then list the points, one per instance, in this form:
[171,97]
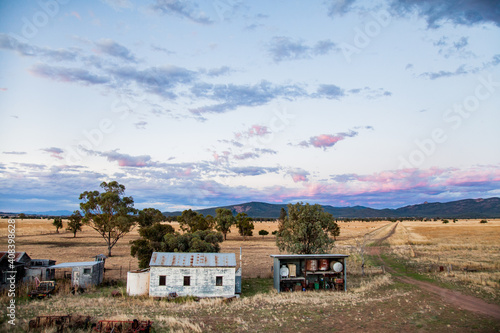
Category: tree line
[304,229]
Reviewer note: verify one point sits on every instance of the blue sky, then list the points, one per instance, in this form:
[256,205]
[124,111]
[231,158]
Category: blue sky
[194,104]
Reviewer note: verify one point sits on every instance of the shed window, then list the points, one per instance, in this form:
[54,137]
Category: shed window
[218,280]
[187,280]
[87,271]
[163,280]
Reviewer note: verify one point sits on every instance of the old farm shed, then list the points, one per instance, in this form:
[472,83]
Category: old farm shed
[16,263]
[41,269]
[297,272]
[84,274]
[196,274]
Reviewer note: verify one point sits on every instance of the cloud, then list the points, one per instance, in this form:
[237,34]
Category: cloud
[65,74]
[161,49]
[233,96]
[252,170]
[437,75]
[125,160]
[14,152]
[141,125]
[341,7]
[330,91]
[284,48]
[327,140]
[184,9]
[10,43]
[254,130]
[214,72]
[465,12]
[156,80]
[112,48]
[54,152]
[298,175]
[118,4]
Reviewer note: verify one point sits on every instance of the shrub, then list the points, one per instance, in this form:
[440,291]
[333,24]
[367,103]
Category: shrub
[446,221]
[483,221]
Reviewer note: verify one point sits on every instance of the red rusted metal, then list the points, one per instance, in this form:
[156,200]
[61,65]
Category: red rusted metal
[312,265]
[123,326]
[324,264]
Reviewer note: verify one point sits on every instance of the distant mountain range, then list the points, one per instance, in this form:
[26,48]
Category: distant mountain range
[469,208]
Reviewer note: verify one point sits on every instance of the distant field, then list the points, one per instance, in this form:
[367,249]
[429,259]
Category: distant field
[375,302]
[39,239]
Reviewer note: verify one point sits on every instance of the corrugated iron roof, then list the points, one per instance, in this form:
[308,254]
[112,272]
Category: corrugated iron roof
[76,264]
[17,255]
[176,259]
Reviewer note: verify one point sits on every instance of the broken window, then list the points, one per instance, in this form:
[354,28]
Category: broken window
[187,280]
[218,280]
[163,280]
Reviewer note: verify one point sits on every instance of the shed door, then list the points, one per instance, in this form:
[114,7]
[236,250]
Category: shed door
[76,279]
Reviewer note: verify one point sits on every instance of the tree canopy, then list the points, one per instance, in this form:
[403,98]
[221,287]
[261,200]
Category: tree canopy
[151,240]
[306,230]
[191,221]
[58,223]
[110,213]
[75,222]
[224,220]
[149,216]
[245,225]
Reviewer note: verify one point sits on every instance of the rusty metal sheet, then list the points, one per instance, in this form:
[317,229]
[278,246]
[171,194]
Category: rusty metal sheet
[176,259]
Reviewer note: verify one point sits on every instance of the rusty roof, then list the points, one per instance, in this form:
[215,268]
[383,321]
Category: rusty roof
[176,259]
[17,255]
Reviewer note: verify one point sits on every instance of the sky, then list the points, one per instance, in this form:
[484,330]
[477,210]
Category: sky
[195,104]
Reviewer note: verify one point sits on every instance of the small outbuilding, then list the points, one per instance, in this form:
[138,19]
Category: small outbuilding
[13,264]
[84,274]
[193,274]
[300,272]
[138,282]
[40,268]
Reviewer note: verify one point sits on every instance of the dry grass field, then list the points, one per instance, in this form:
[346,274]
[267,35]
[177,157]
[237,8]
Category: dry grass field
[39,239]
[392,306]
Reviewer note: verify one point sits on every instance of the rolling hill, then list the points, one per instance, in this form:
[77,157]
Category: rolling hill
[469,208]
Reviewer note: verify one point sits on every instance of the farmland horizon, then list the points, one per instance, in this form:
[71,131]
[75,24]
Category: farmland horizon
[465,208]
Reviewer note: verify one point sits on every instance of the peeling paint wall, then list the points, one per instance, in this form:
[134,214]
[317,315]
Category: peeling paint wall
[202,281]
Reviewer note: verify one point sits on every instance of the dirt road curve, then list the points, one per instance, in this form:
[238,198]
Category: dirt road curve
[452,297]
[457,299]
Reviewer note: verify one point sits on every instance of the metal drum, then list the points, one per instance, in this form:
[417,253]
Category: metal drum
[337,266]
[324,264]
[312,265]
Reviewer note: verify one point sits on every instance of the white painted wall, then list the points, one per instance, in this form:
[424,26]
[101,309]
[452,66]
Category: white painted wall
[202,281]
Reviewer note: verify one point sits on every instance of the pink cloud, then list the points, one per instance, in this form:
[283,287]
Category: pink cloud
[258,130]
[3,89]
[54,152]
[299,175]
[327,140]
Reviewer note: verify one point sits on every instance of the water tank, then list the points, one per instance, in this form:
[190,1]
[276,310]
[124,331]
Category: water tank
[138,283]
[337,266]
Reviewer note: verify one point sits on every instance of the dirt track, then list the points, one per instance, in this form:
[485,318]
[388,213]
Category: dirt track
[452,297]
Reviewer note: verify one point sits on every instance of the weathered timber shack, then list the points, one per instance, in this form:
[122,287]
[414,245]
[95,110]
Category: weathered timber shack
[300,272]
[84,274]
[194,274]
[41,269]
[13,265]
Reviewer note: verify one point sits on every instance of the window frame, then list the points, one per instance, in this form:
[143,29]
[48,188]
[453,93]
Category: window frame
[160,278]
[187,281]
[219,281]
